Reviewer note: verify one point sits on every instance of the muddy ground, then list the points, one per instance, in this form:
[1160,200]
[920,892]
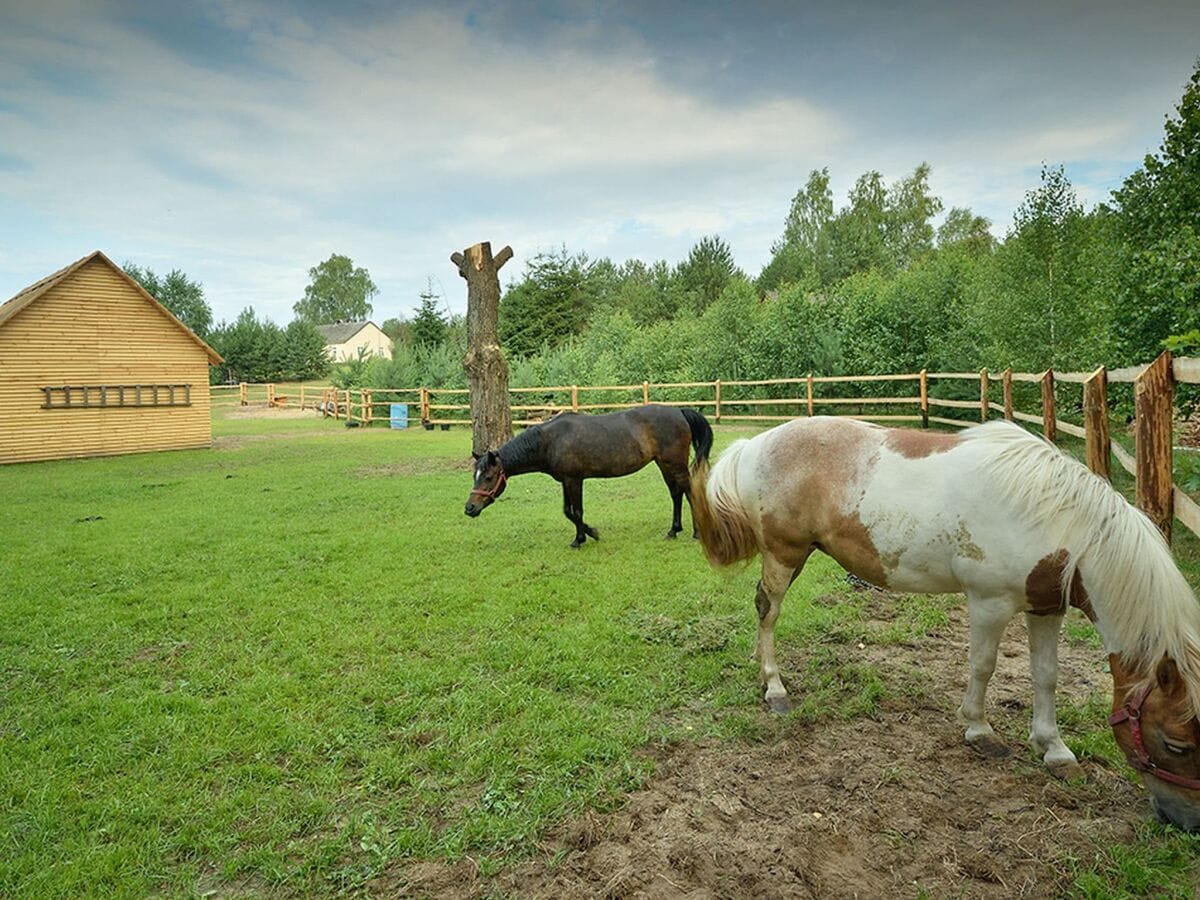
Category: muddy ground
[894,805]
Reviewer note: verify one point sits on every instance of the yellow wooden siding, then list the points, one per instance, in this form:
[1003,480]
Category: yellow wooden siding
[94,328]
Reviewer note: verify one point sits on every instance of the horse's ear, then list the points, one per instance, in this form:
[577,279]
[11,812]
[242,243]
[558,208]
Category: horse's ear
[1167,675]
[492,456]
[474,456]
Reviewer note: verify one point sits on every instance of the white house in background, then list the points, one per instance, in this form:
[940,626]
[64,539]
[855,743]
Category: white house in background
[350,340]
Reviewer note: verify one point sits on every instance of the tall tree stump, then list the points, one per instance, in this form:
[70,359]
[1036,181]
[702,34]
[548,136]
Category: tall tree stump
[491,418]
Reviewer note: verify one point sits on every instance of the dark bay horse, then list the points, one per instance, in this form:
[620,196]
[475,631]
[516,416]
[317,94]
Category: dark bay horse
[574,446]
[1009,520]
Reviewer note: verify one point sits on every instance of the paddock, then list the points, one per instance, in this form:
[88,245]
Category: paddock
[318,678]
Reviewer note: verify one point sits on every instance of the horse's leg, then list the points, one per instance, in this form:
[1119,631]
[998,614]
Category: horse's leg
[989,616]
[587,529]
[677,484]
[777,577]
[1043,667]
[573,509]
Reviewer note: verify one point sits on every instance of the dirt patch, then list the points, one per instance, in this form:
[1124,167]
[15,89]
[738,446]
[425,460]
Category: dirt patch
[894,805]
[262,411]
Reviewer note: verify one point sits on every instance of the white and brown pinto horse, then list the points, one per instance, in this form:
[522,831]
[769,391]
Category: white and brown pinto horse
[1008,519]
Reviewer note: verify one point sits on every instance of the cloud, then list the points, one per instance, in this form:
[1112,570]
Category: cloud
[245,142]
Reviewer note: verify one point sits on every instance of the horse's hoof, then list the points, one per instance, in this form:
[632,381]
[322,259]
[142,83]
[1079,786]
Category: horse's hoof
[671,535]
[988,745]
[695,535]
[781,704]
[1072,771]
[575,545]
[593,534]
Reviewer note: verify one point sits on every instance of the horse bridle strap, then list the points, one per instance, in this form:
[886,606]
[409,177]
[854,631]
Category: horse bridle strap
[1131,713]
[496,488]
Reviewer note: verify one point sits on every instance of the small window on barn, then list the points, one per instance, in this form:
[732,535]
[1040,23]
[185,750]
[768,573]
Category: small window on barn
[105,396]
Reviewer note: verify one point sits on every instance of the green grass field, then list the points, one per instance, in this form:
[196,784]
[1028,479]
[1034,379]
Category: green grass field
[287,663]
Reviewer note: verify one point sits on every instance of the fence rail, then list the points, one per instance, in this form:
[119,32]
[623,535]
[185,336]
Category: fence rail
[735,401]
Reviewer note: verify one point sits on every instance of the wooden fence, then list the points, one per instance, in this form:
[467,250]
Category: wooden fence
[742,402]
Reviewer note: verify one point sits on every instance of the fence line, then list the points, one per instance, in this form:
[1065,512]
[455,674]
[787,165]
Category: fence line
[1153,388]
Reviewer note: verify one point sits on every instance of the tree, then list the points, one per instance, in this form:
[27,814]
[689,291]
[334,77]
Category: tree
[1044,298]
[1158,219]
[794,257]
[178,293]
[882,229]
[810,212]
[258,350]
[908,224]
[429,326]
[338,292]
[1046,228]
[857,241]
[303,353]
[963,229]
[552,301]
[398,330]
[705,273]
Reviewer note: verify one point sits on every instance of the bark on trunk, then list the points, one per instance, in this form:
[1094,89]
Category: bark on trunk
[491,418]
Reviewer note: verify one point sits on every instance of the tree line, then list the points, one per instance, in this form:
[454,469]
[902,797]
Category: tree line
[868,286]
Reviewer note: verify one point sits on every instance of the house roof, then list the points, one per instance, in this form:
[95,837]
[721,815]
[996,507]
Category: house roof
[29,295]
[340,332]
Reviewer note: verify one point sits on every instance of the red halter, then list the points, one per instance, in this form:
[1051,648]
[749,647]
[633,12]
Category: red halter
[1131,713]
[496,488]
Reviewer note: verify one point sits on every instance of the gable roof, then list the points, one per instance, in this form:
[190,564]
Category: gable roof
[29,295]
[340,332]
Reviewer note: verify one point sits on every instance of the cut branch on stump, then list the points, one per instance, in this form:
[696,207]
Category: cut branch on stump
[491,418]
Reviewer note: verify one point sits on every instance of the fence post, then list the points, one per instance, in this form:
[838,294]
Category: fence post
[270,395]
[810,395]
[302,396]
[1154,399]
[242,394]
[1095,423]
[645,393]
[574,398]
[983,395]
[424,405]
[718,396]
[1008,406]
[924,399]
[364,399]
[1049,424]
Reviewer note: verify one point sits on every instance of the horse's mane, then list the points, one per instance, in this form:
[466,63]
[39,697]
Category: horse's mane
[525,449]
[1144,607]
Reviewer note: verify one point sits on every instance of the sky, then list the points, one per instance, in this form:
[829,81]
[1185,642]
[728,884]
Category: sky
[245,142]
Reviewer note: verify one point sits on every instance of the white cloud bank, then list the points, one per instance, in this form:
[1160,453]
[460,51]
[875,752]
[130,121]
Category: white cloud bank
[401,138]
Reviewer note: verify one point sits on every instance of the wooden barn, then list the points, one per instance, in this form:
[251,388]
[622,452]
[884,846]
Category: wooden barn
[92,365]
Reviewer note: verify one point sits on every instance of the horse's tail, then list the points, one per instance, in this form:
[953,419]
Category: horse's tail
[718,512]
[702,435]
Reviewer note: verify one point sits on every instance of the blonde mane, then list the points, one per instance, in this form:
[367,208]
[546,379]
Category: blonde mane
[1144,607]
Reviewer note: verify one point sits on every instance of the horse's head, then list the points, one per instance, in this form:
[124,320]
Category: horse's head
[1155,725]
[489,483]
